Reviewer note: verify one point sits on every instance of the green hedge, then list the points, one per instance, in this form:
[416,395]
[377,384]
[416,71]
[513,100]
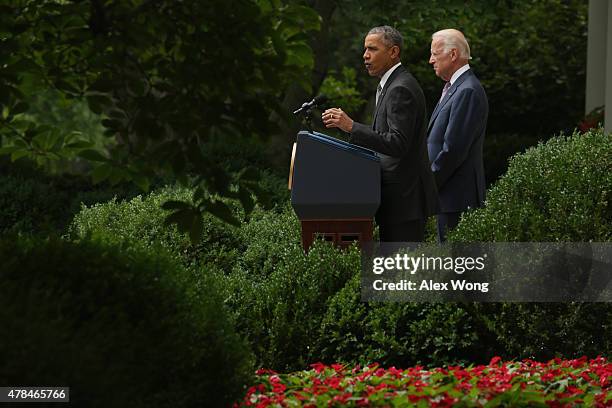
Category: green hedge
[34,202]
[560,190]
[141,220]
[120,326]
[401,334]
[557,191]
[280,313]
[296,309]
[277,294]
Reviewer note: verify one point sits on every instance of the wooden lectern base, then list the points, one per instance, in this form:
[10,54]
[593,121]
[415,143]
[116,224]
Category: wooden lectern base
[341,232]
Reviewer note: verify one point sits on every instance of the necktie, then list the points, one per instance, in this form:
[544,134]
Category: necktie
[444,90]
[378,92]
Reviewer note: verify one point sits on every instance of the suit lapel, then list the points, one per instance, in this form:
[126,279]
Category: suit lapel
[447,97]
[383,94]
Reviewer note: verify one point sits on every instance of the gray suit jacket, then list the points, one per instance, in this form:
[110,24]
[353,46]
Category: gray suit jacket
[398,134]
[455,139]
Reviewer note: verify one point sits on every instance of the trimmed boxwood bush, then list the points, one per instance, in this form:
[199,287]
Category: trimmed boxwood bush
[32,201]
[141,220]
[560,190]
[269,238]
[120,326]
[296,308]
[557,191]
[280,313]
[400,334]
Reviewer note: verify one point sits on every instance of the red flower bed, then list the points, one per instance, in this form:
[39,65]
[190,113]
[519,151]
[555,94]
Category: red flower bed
[558,383]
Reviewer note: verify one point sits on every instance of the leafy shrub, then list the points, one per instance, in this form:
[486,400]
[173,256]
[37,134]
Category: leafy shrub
[32,201]
[560,190]
[547,330]
[120,326]
[280,311]
[141,220]
[557,191]
[269,238]
[399,334]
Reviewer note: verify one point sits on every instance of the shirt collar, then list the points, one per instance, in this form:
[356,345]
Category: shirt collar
[458,73]
[386,75]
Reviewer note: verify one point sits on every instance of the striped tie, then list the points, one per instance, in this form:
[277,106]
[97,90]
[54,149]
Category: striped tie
[444,90]
[378,92]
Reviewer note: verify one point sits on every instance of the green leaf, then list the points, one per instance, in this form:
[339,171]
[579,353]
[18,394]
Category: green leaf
[7,149]
[300,55]
[246,200]
[189,221]
[181,218]
[220,210]
[199,194]
[18,154]
[307,18]
[79,144]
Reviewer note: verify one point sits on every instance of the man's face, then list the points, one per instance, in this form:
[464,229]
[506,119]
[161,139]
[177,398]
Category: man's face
[442,61]
[378,58]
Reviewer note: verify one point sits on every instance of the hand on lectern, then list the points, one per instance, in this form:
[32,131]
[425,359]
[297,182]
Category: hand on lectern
[336,117]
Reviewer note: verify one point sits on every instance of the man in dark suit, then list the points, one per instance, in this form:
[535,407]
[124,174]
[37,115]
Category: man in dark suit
[408,192]
[456,130]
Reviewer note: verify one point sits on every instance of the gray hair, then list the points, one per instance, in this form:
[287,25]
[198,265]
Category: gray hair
[390,36]
[454,39]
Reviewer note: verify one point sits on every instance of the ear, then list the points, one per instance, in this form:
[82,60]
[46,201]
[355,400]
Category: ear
[395,51]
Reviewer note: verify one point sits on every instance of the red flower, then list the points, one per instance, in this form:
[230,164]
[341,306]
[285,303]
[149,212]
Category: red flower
[342,398]
[495,360]
[415,398]
[379,372]
[333,382]
[263,371]
[318,367]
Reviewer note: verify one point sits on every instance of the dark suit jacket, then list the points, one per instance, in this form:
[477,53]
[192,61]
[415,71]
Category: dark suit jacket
[455,138]
[398,134]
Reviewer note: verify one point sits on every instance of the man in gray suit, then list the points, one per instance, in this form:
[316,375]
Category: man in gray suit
[456,130]
[408,192]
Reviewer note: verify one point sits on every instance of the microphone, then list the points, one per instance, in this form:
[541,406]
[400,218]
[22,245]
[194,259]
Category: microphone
[316,101]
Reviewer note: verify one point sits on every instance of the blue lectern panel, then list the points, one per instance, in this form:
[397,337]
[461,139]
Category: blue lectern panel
[333,179]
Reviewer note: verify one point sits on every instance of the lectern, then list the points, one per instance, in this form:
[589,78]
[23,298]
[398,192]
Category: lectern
[335,189]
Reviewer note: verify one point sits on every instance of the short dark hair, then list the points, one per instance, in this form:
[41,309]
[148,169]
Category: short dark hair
[390,36]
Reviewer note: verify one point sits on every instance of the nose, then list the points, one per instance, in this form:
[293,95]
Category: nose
[431,59]
[366,55]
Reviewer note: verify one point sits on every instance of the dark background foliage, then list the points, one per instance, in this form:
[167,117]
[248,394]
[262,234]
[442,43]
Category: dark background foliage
[101,101]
